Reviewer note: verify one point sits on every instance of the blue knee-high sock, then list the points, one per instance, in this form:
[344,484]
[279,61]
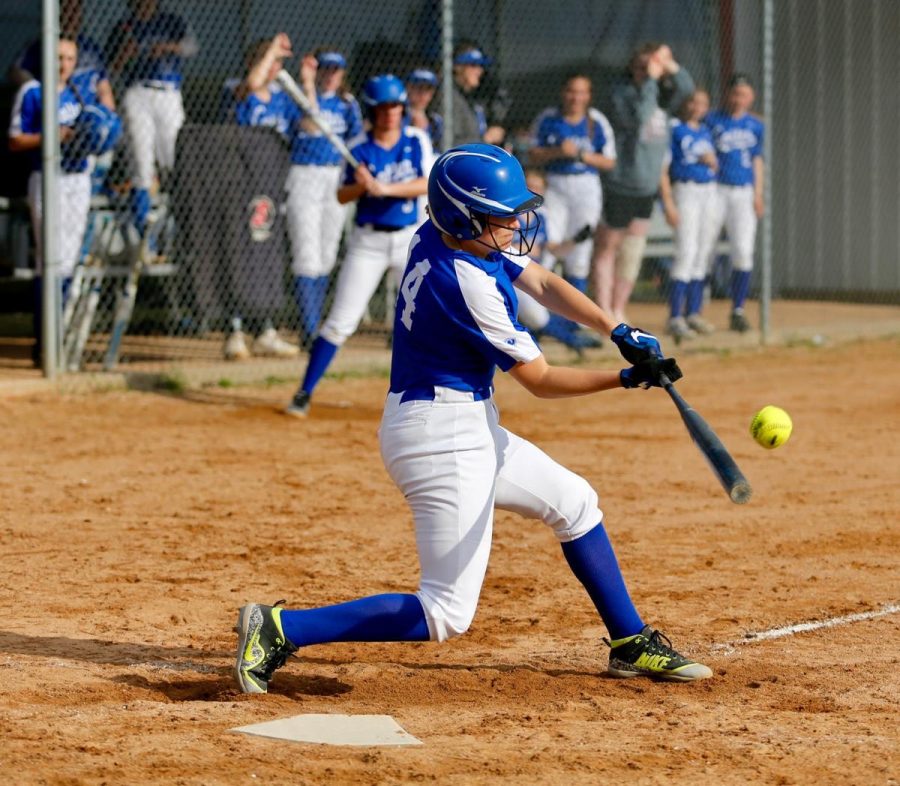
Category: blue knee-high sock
[391,617]
[140,207]
[308,305]
[695,296]
[677,298]
[581,284]
[594,564]
[740,287]
[320,358]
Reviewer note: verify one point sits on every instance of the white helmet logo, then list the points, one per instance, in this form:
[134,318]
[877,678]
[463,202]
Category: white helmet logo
[478,190]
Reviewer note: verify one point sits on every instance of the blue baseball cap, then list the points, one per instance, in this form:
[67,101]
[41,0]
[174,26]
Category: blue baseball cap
[422,76]
[331,60]
[472,57]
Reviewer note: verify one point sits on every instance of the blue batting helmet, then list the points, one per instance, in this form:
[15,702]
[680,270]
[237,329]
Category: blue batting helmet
[383,89]
[97,129]
[470,182]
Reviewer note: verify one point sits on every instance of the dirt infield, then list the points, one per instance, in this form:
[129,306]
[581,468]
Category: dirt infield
[133,525]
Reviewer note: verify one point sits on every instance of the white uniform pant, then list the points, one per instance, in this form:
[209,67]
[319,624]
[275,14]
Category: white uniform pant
[696,205]
[733,209]
[369,255]
[153,118]
[570,202]
[454,463]
[74,205]
[315,219]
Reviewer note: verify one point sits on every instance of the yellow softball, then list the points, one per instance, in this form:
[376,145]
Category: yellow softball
[771,427]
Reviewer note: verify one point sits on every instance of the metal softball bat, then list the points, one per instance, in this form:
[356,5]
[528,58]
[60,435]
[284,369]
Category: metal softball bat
[714,451]
[300,99]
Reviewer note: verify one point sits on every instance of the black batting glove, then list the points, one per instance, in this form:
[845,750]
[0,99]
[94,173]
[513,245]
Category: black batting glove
[646,374]
[583,234]
[635,344]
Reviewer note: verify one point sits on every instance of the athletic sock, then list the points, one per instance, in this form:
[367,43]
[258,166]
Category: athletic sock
[695,296]
[677,298]
[559,327]
[593,561]
[581,284]
[139,201]
[390,617]
[309,304]
[320,358]
[740,288]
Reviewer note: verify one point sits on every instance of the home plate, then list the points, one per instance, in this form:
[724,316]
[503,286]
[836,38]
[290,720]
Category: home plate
[334,730]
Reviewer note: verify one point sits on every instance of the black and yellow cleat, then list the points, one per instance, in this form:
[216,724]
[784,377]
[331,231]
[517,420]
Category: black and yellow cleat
[650,654]
[262,646]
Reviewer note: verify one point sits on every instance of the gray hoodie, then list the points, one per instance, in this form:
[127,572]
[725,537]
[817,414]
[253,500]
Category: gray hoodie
[642,132]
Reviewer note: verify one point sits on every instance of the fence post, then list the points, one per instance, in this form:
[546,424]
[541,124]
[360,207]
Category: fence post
[768,57]
[447,67]
[50,158]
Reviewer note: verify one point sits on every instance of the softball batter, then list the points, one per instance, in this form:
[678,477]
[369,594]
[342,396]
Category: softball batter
[688,194]
[315,218]
[738,138]
[394,161]
[442,443]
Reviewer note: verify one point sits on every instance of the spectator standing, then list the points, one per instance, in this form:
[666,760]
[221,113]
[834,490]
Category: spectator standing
[25,136]
[260,101]
[421,85]
[315,218]
[148,48]
[574,143]
[470,121]
[738,139]
[395,159]
[641,126]
[688,194]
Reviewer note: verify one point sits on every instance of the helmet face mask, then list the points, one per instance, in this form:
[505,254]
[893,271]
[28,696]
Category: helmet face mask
[472,185]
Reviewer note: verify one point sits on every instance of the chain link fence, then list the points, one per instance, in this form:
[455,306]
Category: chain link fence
[209,227]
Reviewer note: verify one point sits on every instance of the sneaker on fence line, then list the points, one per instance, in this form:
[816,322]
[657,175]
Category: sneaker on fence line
[739,322]
[262,646]
[269,343]
[650,654]
[299,406]
[679,328]
[236,346]
[699,325]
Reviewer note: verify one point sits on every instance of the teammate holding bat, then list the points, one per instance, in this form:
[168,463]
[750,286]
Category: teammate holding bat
[443,445]
[315,218]
[394,162]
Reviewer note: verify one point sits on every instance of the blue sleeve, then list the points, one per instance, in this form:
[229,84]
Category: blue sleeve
[543,132]
[513,269]
[760,133]
[354,119]
[31,112]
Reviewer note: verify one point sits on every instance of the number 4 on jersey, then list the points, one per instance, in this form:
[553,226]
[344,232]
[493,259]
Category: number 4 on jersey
[410,288]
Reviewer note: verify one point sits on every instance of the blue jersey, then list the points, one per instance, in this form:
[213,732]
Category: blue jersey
[26,119]
[90,69]
[405,161]
[593,134]
[688,144]
[738,140]
[161,28]
[343,115]
[435,129]
[279,112]
[456,318]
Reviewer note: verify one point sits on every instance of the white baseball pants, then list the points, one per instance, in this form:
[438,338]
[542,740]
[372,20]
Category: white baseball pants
[454,463]
[733,209]
[369,255]
[74,205]
[570,202]
[315,219]
[153,118]
[696,206]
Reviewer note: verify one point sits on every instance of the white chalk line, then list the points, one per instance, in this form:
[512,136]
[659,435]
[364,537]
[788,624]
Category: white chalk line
[804,627]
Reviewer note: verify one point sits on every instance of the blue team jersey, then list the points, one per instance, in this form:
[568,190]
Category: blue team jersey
[435,129]
[161,28]
[738,140]
[90,69]
[405,161]
[593,134]
[456,318]
[26,119]
[688,144]
[279,112]
[343,115]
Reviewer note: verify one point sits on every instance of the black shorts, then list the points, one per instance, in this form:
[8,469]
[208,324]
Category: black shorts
[619,209]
